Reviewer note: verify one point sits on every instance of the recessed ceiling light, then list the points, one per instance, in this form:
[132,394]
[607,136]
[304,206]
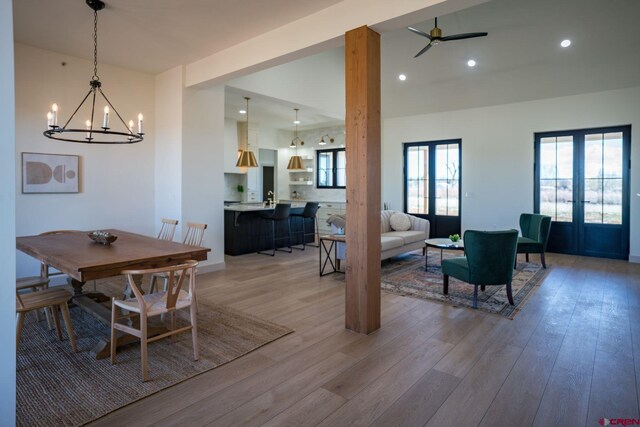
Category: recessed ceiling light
[471,63]
[565,43]
[242,111]
[296,122]
[402,77]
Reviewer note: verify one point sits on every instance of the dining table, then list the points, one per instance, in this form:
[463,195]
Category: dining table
[81,259]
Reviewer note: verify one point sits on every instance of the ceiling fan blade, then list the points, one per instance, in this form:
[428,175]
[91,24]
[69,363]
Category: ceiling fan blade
[426,48]
[463,36]
[419,32]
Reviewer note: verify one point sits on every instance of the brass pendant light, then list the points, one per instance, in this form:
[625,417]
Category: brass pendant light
[295,162]
[247,159]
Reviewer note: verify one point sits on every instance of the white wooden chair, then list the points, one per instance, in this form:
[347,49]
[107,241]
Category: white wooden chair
[168,229]
[156,304]
[48,298]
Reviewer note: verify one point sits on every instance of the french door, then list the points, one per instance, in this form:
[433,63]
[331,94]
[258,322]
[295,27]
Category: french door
[432,184]
[582,182]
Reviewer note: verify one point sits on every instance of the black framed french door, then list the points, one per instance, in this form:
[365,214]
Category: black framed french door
[582,182]
[432,183]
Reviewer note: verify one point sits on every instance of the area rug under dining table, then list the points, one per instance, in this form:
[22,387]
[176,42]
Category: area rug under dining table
[406,275]
[58,387]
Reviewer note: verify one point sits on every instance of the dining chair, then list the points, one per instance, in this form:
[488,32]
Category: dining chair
[156,304]
[52,298]
[194,237]
[168,229]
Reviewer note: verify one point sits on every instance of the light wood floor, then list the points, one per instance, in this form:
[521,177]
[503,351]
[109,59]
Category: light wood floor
[567,359]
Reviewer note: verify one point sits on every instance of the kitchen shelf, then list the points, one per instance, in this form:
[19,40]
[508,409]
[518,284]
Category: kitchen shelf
[301,183]
[305,170]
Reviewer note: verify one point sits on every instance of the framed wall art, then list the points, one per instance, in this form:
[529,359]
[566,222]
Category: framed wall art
[50,173]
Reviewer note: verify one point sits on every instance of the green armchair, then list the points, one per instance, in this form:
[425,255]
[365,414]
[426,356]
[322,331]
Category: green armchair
[488,261]
[535,234]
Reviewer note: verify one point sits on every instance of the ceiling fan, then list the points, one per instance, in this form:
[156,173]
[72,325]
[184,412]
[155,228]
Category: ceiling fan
[435,37]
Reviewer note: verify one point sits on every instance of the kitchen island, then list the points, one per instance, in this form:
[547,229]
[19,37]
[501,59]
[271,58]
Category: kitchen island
[245,230]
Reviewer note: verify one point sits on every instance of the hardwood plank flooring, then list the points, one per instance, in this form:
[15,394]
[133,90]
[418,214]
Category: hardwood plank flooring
[570,357]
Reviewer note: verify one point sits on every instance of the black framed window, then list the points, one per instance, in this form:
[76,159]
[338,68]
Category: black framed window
[432,184]
[331,168]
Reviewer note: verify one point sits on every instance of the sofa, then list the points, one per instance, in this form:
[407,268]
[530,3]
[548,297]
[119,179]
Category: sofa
[396,242]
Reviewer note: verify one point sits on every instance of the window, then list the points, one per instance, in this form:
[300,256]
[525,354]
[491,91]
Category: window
[432,184]
[332,168]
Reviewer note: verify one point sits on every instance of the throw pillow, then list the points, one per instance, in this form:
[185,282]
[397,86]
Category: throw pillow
[400,222]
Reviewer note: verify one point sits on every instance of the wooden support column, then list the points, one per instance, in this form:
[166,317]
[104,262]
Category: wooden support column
[362,72]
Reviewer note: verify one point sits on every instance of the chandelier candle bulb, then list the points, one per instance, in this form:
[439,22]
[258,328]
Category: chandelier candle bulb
[49,119]
[140,117]
[54,115]
[105,123]
[88,124]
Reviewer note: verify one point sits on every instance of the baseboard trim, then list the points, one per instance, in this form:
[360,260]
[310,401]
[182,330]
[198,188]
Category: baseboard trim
[634,259]
[210,268]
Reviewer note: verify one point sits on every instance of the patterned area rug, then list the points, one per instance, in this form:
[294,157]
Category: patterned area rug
[405,275]
[58,387]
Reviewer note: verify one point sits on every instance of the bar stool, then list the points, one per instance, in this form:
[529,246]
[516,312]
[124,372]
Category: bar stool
[310,211]
[280,214]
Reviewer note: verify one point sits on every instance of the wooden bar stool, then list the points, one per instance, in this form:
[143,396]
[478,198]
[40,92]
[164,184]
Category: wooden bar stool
[54,298]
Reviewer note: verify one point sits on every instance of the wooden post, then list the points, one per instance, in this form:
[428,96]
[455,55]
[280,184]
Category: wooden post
[362,73]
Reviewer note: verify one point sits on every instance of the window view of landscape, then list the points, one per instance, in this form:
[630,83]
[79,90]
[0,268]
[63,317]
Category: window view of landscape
[603,178]
[418,179]
[556,178]
[446,177]
[602,183]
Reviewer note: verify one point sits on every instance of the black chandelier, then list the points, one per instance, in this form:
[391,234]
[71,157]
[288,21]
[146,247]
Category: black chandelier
[91,135]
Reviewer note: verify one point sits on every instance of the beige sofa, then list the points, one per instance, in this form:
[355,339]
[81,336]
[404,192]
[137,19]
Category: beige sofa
[397,242]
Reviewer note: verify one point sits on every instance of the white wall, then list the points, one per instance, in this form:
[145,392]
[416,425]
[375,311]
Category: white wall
[497,151]
[116,181]
[7,220]
[203,168]
[311,139]
[168,147]
[316,81]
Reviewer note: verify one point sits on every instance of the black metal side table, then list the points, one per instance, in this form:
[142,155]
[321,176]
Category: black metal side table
[329,251]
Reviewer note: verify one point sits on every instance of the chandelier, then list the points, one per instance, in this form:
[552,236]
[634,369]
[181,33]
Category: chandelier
[92,134]
[295,162]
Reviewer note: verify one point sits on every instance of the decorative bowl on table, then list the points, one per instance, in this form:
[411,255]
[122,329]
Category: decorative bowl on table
[102,237]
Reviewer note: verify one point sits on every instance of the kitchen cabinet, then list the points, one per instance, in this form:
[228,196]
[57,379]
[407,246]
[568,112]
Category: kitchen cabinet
[325,211]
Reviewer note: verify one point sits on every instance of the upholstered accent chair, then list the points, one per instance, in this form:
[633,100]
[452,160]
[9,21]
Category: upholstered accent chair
[535,234]
[488,261]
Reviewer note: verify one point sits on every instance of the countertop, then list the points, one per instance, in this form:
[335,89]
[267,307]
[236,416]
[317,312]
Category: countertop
[256,207]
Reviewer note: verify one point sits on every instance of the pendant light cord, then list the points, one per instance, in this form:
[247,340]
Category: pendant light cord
[95,46]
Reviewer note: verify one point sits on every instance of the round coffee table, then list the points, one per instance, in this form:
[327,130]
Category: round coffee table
[441,244]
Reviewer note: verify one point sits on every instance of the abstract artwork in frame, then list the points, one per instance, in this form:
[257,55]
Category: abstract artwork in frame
[49,173]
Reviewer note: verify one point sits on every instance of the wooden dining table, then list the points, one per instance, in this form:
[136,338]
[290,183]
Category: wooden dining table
[81,259]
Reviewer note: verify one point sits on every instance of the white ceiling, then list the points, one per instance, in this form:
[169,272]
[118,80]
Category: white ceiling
[152,35]
[520,59]
[273,112]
